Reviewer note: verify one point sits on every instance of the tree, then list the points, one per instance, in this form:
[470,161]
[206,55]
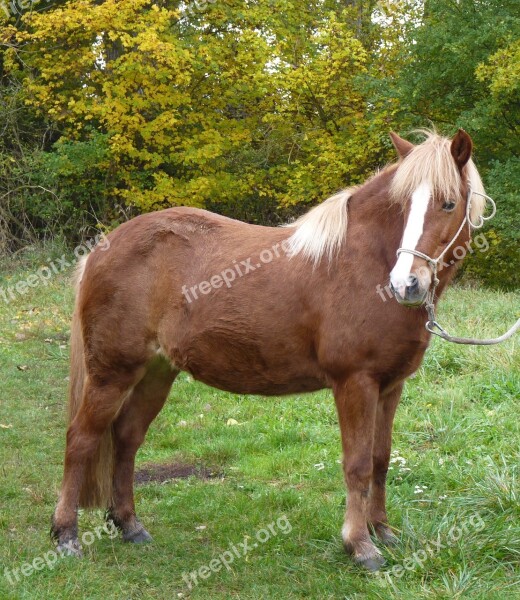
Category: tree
[213,106]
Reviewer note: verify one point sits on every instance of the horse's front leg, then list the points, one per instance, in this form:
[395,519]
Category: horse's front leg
[356,401]
[377,516]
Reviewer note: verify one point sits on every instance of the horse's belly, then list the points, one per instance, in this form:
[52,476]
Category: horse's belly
[254,383]
[247,366]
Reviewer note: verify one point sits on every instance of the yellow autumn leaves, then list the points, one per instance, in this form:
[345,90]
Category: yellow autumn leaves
[228,103]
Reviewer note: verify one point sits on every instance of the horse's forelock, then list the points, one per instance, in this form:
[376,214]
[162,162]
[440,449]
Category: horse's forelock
[432,162]
[429,162]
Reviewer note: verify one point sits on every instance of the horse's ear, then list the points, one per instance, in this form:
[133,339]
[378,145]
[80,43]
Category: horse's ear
[403,147]
[461,147]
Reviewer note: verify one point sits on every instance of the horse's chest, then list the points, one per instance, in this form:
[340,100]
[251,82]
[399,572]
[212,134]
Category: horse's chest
[385,357]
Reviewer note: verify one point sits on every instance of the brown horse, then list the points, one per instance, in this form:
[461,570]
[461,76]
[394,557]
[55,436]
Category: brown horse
[261,310]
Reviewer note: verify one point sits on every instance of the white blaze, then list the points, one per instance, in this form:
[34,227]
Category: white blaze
[411,236]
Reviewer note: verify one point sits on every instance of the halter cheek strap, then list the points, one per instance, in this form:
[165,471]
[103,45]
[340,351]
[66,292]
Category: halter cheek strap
[432,325]
[433,262]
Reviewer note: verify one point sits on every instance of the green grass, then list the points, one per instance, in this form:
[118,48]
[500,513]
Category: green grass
[457,429]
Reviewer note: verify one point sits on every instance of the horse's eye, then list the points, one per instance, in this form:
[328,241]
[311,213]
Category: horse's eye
[448,206]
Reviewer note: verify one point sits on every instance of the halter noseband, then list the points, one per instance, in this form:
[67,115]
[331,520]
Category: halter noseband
[431,324]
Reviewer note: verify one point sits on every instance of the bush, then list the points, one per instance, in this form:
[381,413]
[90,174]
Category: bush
[499,267]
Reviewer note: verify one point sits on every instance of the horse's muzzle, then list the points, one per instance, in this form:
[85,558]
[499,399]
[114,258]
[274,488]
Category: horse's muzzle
[410,294]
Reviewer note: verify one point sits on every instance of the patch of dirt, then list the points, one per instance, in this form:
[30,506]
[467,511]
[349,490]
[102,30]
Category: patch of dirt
[160,473]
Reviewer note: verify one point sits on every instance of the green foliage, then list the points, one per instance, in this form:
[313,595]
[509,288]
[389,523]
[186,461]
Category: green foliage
[78,172]
[500,265]
[450,67]
[461,68]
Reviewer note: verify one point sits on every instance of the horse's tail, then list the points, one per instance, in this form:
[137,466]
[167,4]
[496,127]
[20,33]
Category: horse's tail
[96,490]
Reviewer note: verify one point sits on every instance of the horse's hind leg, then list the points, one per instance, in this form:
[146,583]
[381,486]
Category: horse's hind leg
[99,406]
[140,409]
[377,517]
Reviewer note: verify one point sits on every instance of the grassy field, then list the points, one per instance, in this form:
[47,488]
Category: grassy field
[269,469]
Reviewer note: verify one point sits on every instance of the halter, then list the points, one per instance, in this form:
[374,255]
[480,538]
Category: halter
[432,325]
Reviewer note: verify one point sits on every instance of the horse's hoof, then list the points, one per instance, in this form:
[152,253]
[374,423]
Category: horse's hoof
[139,536]
[386,535]
[372,564]
[70,548]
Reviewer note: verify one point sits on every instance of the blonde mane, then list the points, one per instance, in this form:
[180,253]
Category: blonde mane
[432,162]
[321,231]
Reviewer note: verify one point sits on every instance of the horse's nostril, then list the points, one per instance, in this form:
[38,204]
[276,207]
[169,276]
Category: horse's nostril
[412,281]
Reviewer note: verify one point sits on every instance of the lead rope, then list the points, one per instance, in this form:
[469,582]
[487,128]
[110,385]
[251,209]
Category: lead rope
[432,324]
